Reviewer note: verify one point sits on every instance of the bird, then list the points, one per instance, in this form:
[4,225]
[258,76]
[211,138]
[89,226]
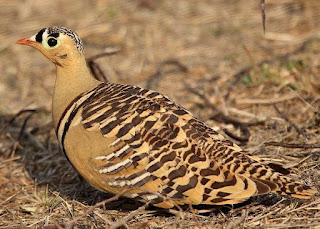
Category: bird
[127,140]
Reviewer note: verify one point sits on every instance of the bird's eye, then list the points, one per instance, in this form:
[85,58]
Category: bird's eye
[52,42]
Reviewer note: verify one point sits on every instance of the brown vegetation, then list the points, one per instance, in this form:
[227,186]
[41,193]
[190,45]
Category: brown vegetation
[212,57]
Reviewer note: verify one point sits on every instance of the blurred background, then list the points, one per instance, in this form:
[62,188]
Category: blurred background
[207,55]
[212,38]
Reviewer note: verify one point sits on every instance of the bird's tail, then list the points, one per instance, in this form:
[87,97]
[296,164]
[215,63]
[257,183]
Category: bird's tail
[287,186]
[263,174]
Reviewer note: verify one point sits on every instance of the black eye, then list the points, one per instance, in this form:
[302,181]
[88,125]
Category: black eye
[52,42]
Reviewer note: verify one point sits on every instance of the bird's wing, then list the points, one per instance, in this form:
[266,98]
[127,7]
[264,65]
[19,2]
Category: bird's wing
[159,147]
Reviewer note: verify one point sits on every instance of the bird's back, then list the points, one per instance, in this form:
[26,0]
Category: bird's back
[125,137]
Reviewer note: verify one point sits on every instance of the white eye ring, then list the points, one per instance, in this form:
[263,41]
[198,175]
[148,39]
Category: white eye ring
[51,43]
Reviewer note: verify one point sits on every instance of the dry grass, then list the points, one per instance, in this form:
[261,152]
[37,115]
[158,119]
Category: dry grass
[223,47]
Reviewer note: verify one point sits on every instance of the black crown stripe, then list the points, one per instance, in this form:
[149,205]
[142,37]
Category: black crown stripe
[39,35]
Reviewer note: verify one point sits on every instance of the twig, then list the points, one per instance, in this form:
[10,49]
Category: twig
[260,119]
[263,215]
[220,117]
[22,130]
[263,15]
[50,226]
[103,54]
[286,118]
[238,76]
[90,209]
[235,223]
[37,143]
[95,67]
[149,4]
[123,221]
[15,117]
[243,139]
[10,197]
[251,59]
[267,101]
[24,125]
[317,201]
[154,79]
[194,213]
[292,145]
[97,71]
[162,197]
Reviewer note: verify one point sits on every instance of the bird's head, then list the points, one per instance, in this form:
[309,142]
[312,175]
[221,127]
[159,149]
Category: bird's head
[59,44]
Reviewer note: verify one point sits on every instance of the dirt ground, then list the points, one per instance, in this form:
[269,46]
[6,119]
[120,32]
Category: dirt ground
[212,57]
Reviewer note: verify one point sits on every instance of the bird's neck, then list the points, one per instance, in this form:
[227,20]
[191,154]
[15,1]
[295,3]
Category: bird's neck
[72,80]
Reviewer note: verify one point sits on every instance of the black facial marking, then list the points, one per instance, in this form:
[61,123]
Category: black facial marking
[39,35]
[63,56]
[56,35]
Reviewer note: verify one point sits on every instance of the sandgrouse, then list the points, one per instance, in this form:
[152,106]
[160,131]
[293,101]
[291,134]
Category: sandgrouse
[123,137]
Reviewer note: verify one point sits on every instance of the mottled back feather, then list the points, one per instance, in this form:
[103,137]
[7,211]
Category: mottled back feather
[159,147]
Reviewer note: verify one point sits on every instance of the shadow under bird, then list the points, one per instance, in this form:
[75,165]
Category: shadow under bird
[123,137]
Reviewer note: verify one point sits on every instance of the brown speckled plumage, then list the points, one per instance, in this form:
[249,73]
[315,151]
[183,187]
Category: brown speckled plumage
[125,137]
[160,145]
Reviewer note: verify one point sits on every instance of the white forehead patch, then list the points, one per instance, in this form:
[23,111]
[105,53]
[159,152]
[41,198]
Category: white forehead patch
[33,38]
[45,34]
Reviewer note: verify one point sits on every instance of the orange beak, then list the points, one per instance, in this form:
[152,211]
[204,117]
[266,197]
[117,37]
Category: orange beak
[25,41]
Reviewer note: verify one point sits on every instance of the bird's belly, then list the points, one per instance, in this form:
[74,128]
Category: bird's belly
[83,149]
